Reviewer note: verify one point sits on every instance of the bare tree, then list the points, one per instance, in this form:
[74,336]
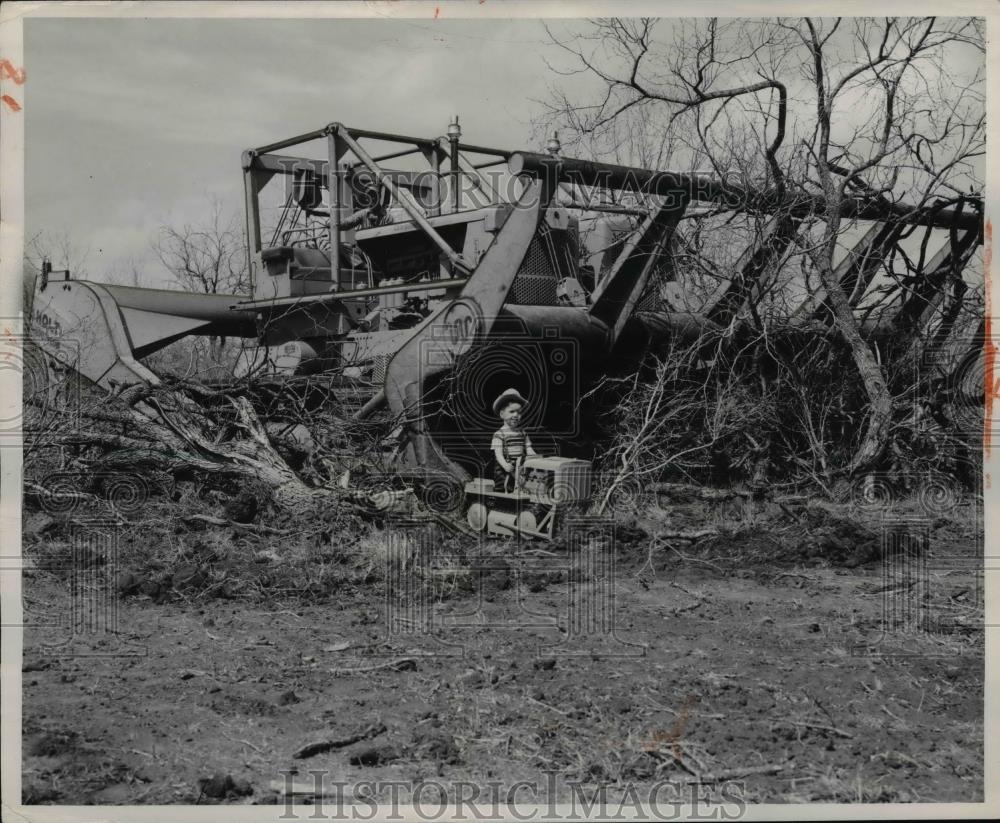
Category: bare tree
[894,56]
[816,117]
[209,256]
[125,273]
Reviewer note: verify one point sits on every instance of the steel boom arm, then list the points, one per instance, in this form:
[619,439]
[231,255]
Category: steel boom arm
[457,327]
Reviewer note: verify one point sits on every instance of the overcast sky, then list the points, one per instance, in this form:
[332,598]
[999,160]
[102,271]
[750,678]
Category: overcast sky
[133,123]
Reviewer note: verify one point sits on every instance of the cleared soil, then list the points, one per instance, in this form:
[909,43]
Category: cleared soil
[787,653]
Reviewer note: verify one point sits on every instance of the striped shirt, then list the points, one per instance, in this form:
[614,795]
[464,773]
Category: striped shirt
[511,443]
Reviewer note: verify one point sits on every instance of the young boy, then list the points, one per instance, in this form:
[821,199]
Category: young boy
[511,443]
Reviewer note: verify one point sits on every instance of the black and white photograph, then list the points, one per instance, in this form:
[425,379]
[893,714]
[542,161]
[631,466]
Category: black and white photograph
[496,411]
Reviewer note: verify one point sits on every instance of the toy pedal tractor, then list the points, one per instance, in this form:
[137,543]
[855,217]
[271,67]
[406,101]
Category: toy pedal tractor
[548,487]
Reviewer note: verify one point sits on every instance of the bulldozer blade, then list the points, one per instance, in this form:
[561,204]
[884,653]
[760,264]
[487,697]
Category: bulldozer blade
[102,331]
[79,324]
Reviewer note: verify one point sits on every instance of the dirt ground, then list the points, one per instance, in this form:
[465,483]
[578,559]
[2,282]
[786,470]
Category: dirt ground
[788,653]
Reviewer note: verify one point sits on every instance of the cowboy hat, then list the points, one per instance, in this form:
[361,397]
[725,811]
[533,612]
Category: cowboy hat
[509,396]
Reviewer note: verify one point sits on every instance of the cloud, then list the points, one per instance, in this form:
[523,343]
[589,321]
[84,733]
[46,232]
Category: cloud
[128,120]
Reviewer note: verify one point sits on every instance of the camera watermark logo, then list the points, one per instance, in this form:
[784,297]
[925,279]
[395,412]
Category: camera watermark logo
[905,580]
[955,371]
[880,494]
[545,369]
[85,621]
[68,492]
[50,394]
[917,602]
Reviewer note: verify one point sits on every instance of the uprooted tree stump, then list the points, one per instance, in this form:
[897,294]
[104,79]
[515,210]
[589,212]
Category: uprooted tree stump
[185,427]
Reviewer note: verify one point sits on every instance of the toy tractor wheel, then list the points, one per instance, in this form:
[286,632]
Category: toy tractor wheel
[527,522]
[476,516]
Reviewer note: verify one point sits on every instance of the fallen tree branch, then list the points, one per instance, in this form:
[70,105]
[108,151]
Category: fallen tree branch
[312,749]
[399,664]
[232,524]
[700,492]
[35,492]
[696,534]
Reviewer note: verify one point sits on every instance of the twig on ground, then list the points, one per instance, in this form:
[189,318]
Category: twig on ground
[399,664]
[732,774]
[244,742]
[795,574]
[683,556]
[790,513]
[550,708]
[818,726]
[699,600]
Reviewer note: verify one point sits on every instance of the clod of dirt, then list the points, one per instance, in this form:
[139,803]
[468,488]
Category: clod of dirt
[641,767]
[54,744]
[634,530]
[495,579]
[471,678]
[374,755]
[114,794]
[223,785]
[538,581]
[243,509]
[188,576]
[32,795]
[841,541]
[204,551]
[217,786]
[153,589]
[267,556]
[129,583]
[584,708]
[242,788]
[38,524]
[620,705]
[438,746]
[596,773]
[288,698]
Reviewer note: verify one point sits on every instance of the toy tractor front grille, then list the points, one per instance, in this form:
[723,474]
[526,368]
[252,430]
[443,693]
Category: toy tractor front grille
[557,480]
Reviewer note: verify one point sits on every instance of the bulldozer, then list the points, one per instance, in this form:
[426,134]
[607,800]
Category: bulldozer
[425,288]
[422,290]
